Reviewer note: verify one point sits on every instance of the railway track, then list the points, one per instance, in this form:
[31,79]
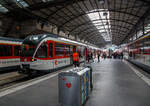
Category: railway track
[12,78]
[8,79]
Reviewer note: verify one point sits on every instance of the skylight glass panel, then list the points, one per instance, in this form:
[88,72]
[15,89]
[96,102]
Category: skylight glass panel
[23,3]
[98,24]
[100,27]
[147,28]
[100,18]
[102,30]
[98,21]
[106,36]
[3,9]
[47,0]
[93,16]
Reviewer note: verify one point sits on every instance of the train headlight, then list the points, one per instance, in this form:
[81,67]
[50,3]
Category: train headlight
[33,59]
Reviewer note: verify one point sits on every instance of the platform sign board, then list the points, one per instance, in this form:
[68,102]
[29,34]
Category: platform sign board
[74,87]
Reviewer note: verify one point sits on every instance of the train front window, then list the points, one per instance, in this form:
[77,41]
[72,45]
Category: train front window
[42,51]
[28,50]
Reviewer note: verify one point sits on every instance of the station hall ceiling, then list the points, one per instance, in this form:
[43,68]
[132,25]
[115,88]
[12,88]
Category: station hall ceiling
[97,21]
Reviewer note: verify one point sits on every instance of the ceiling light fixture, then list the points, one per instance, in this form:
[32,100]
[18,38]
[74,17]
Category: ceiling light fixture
[101,1]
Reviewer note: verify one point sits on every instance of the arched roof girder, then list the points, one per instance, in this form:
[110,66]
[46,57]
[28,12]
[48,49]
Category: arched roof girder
[89,38]
[94,40]
[89,22]
[91,27]
[102,29]
[85,35]
[147,12]
[82,14]
[90,34]
[145,1]
[59,9]
[43,5]
[52,3]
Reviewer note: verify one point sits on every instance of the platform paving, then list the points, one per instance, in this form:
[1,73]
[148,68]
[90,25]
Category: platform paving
[115,84]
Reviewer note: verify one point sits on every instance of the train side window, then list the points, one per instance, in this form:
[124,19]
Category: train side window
[67,50]
[71,50]
[17,50]
[5,50]
[59,49]
[42,51]
[1,50]
[50,50]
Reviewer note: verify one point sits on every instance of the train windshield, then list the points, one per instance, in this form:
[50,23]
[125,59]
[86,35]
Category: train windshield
[28,50]
[29,45]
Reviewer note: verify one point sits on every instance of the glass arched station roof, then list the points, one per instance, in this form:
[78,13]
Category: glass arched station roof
[95,21]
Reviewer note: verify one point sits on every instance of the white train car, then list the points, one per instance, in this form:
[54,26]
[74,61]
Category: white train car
[47,52]
[9,53]
[139,52]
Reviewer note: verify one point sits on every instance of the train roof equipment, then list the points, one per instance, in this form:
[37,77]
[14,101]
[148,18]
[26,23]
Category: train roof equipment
[7,40]
[35,39]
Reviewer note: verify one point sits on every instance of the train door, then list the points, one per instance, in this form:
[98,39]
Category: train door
[72,49]
[85,53]
[81,53]
[50,52]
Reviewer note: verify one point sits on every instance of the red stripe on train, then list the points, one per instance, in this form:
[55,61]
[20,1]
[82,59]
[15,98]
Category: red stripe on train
[28,59]
[10,57]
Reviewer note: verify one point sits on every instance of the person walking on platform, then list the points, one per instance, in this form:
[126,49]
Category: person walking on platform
[92,57]
[121,55]
[98,56]
[76,59]
[104,55]
[88,57]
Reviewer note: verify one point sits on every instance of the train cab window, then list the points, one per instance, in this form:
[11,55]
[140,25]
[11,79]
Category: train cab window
[71,50]
[5,50]
[42,51]
[27,50]
[59,49]
[17,50]
[50,50]
[67,50]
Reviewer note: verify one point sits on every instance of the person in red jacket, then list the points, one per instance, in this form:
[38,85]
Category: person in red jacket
[76,59]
